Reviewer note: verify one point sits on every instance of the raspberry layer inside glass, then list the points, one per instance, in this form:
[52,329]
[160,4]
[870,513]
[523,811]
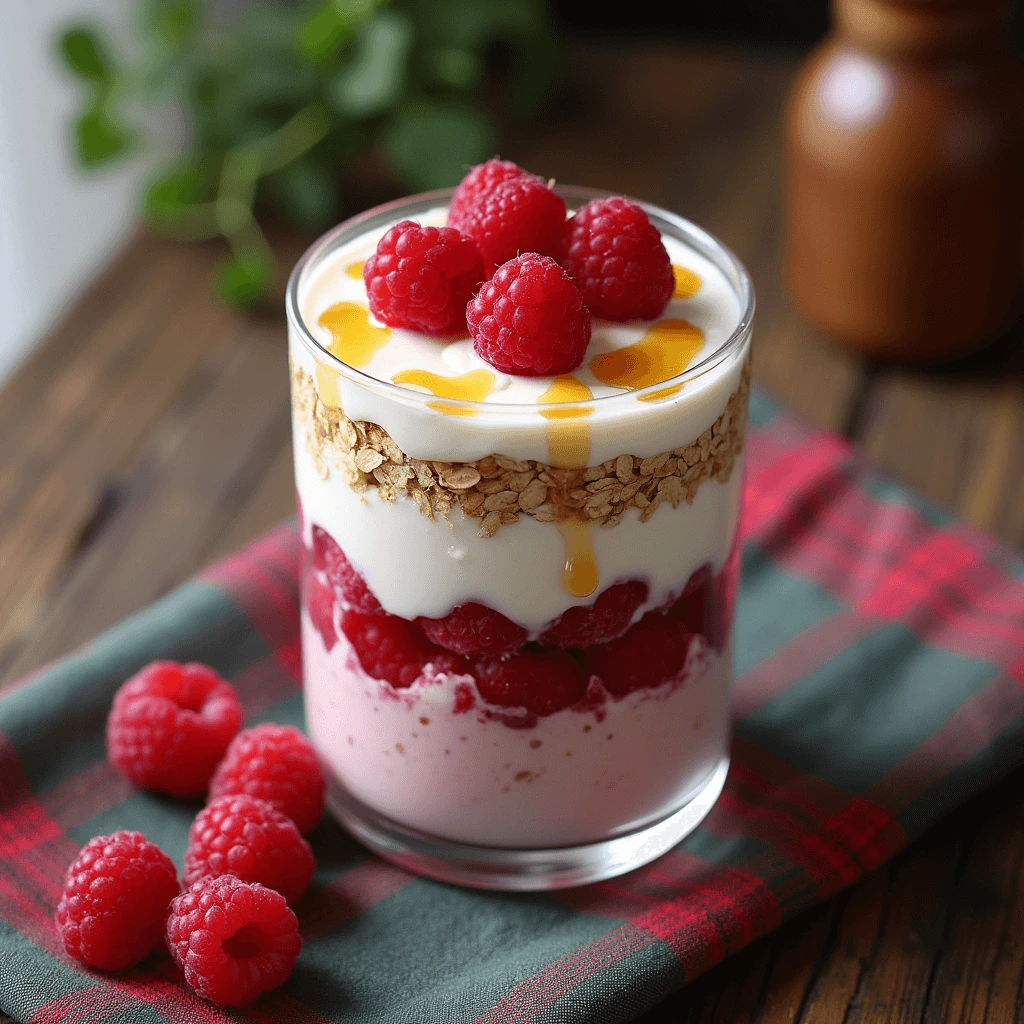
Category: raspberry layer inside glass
[606,641]
[439,722]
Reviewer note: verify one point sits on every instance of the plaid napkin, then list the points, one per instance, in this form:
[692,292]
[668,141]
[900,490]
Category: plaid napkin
[880,661]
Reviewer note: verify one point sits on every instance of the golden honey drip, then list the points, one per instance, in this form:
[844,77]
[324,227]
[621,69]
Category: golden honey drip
[355,270]
[580,576]
[355,341]
[657,396]
[474,386]
[568,439]
[661,354]
[687,283]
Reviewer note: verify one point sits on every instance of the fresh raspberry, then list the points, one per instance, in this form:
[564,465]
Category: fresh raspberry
[251,839]
[116,895]
[169,726]
[329,558]
[616,257]
[540,681]
[481,181]
[234,940]
[518,215]
[320,600]
[473,628]
[529,319]
[695,607]
[275,763]
[649,653]
[394,649]
[608,617]
[421,278]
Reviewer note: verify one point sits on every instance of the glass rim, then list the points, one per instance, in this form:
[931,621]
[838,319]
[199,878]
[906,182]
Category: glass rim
[703,242]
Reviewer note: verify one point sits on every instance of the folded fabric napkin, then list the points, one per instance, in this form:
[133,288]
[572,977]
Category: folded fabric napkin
[880,682]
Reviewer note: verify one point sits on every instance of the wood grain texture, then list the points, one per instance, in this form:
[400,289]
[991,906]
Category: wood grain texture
[150,435]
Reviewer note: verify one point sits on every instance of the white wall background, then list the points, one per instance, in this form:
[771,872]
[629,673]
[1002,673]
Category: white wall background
[58,224]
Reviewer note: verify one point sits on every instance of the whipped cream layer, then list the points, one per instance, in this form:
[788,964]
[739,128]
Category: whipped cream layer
[574,777]
[513,420]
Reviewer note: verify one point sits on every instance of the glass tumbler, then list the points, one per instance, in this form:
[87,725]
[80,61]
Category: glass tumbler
[517,617]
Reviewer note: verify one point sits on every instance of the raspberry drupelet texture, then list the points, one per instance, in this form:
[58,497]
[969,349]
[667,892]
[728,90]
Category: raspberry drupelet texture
[649,653]
[351,587]
[395,650]
[233,940]
[529,319]
[608,617]
[518,215]
[252,840]
[275,763]
[474,628]
[540,681]
[481,181]
[170,725]
[115,901]
[422,277]
[321,600]
[618,260]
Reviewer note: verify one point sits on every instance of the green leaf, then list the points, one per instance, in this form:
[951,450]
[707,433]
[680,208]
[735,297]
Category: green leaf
[374,78]
[100,136]
[430,145]
[172,22]
[321,34]
[244,279]
[83,54]
[178,199]
[307,192]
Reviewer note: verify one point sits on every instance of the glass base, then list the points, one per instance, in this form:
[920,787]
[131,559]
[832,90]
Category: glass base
[514,870]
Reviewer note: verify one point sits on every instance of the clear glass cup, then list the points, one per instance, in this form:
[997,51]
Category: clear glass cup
[620,745]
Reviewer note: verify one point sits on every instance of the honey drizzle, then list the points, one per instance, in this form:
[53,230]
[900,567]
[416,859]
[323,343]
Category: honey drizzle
[568,439]
[474,386]
[580,576]
[355,270]
[355,341]
[662,353]
[569,448]
[687,282]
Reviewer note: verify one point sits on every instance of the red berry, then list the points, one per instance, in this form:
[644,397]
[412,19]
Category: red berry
[169,726]
[649,653]
[482,180]
[275,763]
[473,628]
[529,319]
[540,681]
[695,607]
[252,840]
[320,601]
[329,558]
[608,617]
[421,278]
[518,215]
[116,896]
[616,257]
[394,649]
[234,940]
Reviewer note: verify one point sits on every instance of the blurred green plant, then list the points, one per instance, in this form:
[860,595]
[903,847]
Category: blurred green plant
[280,99]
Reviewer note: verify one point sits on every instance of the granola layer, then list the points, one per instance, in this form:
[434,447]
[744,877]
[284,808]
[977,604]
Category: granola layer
[497,490]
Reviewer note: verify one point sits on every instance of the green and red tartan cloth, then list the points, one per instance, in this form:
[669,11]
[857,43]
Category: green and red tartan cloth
[880,682]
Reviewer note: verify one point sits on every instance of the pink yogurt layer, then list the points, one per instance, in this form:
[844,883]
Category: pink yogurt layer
[435,759]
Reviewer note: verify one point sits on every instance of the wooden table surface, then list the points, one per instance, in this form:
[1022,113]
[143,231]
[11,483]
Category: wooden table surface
[150,435]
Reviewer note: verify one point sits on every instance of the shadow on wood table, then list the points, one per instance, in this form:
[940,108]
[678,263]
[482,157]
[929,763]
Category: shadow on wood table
[150,435]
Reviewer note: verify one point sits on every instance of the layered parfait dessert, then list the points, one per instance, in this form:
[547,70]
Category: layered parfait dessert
[519,417]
